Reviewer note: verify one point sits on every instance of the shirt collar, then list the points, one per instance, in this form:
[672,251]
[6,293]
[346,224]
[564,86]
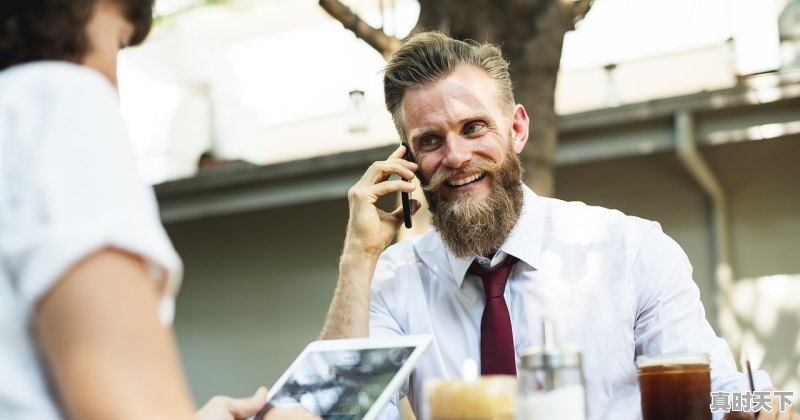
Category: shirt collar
[524,241]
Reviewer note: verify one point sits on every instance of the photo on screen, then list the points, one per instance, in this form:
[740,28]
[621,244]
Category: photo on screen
[341,384]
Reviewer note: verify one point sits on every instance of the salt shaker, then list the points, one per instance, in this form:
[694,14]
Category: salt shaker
[551,381]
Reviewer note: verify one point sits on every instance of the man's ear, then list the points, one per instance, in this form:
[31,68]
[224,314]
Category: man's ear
[519,128]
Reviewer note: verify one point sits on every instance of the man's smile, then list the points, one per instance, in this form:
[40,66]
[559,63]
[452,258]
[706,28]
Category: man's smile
[460,182]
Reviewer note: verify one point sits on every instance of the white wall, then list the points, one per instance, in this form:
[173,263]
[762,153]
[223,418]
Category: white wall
[256,291]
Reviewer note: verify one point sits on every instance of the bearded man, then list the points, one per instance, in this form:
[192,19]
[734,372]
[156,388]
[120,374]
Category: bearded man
[615,285]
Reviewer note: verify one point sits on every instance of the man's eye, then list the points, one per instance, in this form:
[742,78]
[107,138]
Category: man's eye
[473,128]
[429,141]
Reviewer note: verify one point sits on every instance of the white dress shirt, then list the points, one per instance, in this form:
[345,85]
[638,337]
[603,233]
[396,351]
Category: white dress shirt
[616,286]
[68,187]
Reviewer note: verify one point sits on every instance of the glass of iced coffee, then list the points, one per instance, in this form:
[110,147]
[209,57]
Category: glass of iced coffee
[676,386]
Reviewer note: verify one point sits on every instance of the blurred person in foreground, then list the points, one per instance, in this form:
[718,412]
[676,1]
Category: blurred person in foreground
[616,285]
[88,275]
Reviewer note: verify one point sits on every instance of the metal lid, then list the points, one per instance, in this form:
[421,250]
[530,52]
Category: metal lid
[550,356]
[541,358]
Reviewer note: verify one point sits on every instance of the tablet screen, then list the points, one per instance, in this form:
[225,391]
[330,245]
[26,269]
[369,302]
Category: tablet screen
[341,384]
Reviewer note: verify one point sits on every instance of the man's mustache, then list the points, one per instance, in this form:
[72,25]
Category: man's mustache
[442,175]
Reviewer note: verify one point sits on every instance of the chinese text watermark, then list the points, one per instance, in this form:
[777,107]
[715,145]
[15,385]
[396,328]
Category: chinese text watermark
[750,402]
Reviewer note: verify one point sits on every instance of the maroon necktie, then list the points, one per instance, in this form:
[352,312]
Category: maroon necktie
[497,340]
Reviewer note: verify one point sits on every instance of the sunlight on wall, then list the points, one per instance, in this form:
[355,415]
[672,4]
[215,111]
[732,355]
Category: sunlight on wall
[756,31]
[764,318]
[269,68]
[660,27]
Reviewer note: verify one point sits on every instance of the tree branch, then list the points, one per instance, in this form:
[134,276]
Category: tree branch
[376,38]
[579,9]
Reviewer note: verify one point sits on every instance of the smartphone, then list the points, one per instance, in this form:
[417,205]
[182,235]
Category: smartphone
[409,156]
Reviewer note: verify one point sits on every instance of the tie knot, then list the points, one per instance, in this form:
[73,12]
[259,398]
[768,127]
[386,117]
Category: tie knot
[494,281]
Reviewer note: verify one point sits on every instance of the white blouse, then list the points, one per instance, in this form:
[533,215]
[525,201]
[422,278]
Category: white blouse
[68,187]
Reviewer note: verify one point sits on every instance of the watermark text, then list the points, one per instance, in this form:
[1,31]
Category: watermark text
[750,402]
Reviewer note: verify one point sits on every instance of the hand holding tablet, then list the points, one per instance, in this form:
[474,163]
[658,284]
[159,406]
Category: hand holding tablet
[347,379]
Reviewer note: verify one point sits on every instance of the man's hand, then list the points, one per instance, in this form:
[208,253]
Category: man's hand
[370,230]
[775,414]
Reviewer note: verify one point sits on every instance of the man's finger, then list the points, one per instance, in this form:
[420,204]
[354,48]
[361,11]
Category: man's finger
[789,414]
[387,187]
[767,415]
[397,214]
[412,166]
[371,194]
[399,152]
[381,171]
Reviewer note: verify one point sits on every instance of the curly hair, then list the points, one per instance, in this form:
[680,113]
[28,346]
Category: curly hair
[33,30]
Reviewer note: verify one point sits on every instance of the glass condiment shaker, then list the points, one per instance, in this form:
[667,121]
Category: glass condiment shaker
[551,381]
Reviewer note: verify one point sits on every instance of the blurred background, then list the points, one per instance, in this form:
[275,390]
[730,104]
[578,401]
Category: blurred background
[252,118]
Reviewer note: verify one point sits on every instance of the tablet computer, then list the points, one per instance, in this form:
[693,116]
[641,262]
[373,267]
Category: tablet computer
[350,379]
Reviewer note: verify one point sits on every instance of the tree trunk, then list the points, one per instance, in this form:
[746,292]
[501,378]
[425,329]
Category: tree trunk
[531,34]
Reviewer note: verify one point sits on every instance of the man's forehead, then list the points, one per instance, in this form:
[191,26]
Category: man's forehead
[467,91]
[424,101]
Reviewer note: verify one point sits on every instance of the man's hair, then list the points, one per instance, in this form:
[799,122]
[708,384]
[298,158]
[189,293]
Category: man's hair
[430,56]
[32,30]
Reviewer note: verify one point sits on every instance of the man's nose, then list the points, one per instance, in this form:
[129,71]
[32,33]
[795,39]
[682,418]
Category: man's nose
[456,152]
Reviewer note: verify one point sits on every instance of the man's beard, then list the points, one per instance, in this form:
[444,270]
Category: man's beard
[473,226]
